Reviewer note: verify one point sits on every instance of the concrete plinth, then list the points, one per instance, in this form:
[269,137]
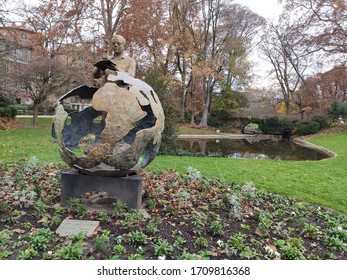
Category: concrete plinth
[127,189]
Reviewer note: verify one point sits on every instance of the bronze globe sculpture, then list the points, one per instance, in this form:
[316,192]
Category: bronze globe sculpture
[120,132]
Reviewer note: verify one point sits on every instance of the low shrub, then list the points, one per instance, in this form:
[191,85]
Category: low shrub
[8,111]
[323,120]
[307,127]
[276,126]
[215,120]
[235,124]
[22,108]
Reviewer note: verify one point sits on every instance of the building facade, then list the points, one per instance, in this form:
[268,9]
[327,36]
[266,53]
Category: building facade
[17,45]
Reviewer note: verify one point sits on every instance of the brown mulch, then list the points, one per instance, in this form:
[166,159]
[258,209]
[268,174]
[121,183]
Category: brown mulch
[8,123]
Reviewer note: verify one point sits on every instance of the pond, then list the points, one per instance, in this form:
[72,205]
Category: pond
[277,149]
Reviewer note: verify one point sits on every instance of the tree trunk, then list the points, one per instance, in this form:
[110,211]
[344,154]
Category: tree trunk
[184,90]
[302,112]
[192,101]
[205,104]
[35,115]
[203,122]
[287,105]
[183,103]
[192,117]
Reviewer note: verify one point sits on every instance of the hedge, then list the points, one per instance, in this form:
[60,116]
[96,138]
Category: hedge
[307,127]
[276,126]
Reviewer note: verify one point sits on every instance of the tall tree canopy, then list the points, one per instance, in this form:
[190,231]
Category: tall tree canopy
[322,22]
[196,44]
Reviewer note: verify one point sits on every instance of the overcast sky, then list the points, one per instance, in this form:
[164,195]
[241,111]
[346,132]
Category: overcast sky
[266,8]
[269,9]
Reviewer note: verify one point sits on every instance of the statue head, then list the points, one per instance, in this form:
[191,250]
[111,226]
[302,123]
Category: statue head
[118,44]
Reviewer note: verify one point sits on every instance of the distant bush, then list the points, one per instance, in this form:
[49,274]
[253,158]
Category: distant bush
[323,120]
[276,126]
[5,101]
[215,120]
[7,107]
[22,107]
[307,127]
[231,124]
[8,111]
[338,108]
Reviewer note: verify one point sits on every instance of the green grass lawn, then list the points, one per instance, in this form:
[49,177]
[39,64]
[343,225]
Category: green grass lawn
[321,182]
[26,141]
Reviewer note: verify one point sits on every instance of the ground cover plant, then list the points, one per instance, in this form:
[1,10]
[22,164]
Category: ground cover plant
[183,216]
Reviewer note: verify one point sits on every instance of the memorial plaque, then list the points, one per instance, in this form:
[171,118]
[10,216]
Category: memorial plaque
[68,227]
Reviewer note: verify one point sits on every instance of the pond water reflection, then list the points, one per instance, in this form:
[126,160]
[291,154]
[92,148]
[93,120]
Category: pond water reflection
[246,148]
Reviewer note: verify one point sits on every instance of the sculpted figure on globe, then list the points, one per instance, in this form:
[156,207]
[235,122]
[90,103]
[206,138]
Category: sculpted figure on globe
[120,132]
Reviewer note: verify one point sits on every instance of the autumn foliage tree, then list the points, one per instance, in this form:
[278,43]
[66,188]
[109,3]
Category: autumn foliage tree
[196,44]
[44,77]
[333,84]
[110,13]
[60,54]
[144,25]
[322,26]
[322,22]
[209,42]
[323,89]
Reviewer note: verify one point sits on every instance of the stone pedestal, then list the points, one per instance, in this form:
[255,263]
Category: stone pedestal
[127,189]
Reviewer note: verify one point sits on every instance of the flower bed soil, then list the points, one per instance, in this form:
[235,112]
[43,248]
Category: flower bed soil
[182,217]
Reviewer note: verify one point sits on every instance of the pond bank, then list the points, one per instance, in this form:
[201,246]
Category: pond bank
[303,143]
